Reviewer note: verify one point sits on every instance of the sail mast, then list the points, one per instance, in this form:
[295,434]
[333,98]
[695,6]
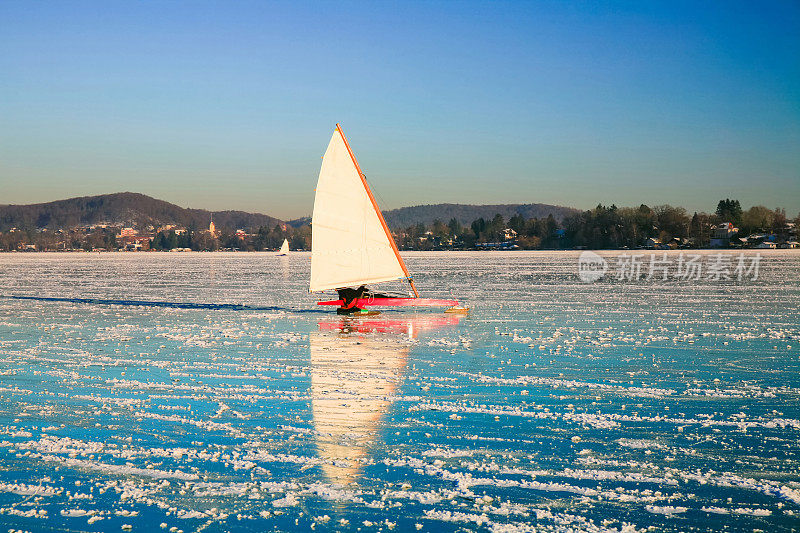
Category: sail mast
[378,211]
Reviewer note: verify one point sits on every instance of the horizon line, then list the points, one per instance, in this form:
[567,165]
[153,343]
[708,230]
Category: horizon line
[383,210]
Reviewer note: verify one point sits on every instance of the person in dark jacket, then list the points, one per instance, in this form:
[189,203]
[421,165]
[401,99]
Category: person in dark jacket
[349,298]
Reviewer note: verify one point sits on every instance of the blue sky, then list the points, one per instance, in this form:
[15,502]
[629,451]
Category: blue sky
[229,105]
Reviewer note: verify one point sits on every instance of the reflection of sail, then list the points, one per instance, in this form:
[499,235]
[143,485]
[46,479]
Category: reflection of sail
[352,377]
[284,260]
[356,368]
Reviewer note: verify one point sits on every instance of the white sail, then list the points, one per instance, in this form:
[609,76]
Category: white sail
[349,245]
[284,247]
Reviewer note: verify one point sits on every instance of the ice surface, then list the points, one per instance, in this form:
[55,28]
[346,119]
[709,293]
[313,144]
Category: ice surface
[207,391]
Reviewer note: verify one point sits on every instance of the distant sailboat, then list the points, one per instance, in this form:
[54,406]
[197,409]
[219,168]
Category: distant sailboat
[284,248]
[351,245]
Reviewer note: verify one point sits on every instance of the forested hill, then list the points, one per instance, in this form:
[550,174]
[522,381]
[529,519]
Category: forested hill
[465,214]
[138,210]
[127,208]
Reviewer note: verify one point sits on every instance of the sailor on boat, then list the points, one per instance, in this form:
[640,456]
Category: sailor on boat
[350,298]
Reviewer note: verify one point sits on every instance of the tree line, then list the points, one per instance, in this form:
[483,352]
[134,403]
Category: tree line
[264,238]
[107,238]
[604,227]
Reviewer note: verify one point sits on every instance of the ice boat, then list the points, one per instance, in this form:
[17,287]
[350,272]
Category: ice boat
[351,245]
[284,248]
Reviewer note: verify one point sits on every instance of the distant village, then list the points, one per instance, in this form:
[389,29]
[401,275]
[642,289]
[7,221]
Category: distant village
[659,228]
[662,227]
[114,237]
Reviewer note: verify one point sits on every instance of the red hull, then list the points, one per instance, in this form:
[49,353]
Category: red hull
[390,302]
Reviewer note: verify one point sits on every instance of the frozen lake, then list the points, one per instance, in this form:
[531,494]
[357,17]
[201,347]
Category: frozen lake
[208,392]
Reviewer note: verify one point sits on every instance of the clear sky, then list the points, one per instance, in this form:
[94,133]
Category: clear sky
[229,105]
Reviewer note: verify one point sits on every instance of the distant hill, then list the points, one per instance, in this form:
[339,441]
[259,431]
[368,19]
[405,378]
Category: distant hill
[126,208]
[138,210]
[297,222]
[465,213]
